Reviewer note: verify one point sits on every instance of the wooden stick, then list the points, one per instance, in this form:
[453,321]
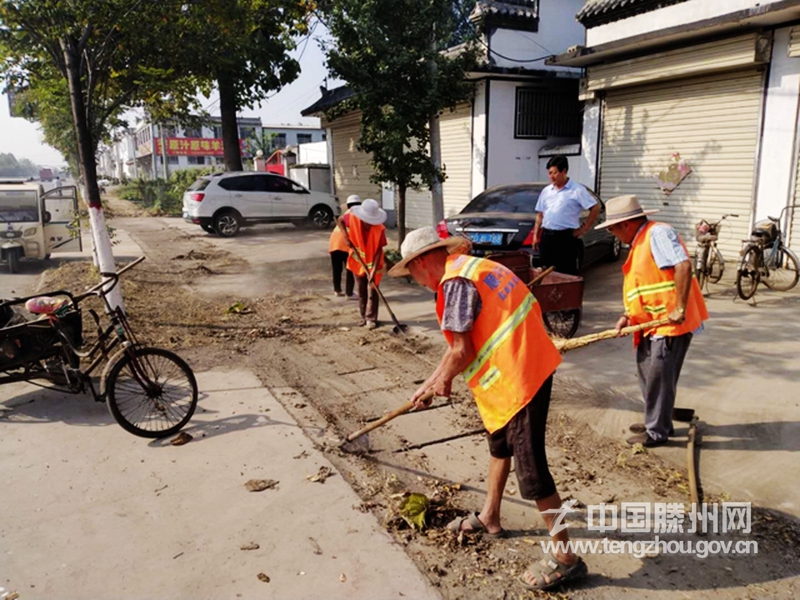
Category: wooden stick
[540,276]
[392,415]
[566,345]
[690,462]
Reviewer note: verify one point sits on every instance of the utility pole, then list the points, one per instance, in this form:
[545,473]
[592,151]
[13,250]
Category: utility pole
[437,197]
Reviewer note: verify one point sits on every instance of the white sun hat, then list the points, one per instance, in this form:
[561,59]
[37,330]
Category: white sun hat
[369,212]
[423,240]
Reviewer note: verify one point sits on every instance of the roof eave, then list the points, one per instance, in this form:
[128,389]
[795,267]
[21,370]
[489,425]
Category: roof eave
[739,21]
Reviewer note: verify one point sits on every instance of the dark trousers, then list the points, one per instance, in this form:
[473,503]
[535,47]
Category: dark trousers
[523,438]
[659,364]
[559,249]
[338,262]
[367,299]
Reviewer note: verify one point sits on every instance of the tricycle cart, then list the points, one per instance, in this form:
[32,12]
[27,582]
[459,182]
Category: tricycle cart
[150,392]
[560,296]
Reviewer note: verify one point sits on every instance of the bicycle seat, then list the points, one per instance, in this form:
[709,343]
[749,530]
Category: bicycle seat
[46,305]
[773,219]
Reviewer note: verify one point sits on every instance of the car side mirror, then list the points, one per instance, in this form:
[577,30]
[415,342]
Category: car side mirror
[47,217]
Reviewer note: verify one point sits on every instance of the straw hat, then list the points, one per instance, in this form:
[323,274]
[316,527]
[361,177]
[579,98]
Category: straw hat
[353,200]
[420,241]
[369,212]
[623,208]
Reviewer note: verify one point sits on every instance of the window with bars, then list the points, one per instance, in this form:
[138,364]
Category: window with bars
[548,112]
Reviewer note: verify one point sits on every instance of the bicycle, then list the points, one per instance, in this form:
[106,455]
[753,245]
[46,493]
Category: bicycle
[765,258]
[708,262]
[150,392]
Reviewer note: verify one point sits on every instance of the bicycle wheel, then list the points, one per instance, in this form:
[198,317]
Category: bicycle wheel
[716,265]
[151,394]
[783,273]
[701,269]
[562,323]
[748,276]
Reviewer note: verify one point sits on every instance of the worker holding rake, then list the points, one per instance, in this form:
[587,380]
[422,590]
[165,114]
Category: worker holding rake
[496,338]
[658,284]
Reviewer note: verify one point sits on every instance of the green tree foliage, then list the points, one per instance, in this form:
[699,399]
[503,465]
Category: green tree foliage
[265,143]
[11,167]
[390,54]
[244,52]
[105,55]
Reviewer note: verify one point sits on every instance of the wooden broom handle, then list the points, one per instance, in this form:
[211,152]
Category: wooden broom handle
[540,276]
[386,418]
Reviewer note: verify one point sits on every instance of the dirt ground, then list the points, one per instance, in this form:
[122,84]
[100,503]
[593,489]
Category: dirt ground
[302,338]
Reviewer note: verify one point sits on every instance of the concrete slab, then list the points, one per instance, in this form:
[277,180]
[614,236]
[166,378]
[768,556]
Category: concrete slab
[136,518]
[741,376]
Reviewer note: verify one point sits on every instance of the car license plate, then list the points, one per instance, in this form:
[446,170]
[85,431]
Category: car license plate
[493,239]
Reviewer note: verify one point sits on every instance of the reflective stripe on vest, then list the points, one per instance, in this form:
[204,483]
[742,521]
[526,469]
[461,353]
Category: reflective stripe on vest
[514,355]
[650,293]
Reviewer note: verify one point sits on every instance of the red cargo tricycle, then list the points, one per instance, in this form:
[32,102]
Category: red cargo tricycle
[560,296]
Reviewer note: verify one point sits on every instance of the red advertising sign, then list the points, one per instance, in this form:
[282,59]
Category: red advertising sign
[194,146]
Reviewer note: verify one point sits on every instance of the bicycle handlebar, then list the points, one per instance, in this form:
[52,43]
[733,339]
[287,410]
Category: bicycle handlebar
[113,278]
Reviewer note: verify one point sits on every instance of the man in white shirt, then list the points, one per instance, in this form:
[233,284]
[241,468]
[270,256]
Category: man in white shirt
[559,207]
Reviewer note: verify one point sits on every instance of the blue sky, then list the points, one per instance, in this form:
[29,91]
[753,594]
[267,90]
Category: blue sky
[24,139]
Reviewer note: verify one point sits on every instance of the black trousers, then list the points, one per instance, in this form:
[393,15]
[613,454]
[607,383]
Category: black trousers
[338,262]
[559,249]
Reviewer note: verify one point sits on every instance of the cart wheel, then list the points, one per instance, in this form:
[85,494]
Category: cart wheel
[563,323]
[152,395]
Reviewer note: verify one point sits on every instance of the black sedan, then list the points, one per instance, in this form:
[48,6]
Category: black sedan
[501,219]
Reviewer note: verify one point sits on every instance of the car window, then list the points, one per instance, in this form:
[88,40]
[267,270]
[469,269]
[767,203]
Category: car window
[510,199]
[240,184]
[270,183]
[297,188]
[199,185]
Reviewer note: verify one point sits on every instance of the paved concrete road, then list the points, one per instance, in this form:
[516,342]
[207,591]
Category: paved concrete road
[91,511]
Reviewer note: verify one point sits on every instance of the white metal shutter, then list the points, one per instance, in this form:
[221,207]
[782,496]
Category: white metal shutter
[794,214]
[728,54]
[456,140]
[456,134]
[794,42]
[419,208]
[713,123]
[351,167]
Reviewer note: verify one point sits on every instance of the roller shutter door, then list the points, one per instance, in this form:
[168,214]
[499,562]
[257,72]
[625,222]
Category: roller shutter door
[456,135]
[713,123]
[794,214]
[351,167]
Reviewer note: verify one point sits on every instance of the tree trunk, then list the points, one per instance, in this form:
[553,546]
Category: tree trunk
[88,170]
[230,129]
[401,213]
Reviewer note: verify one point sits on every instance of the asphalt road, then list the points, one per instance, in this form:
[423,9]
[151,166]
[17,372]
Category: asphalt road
[20,284]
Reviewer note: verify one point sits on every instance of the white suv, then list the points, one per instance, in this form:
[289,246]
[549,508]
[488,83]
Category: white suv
[222,203]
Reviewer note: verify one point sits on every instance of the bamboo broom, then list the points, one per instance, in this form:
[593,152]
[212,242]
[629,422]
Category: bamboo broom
[565,345]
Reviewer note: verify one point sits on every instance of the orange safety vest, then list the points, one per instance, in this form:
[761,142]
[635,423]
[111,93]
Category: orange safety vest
[337,241]
[514,355]
[370,248]
[649,292]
